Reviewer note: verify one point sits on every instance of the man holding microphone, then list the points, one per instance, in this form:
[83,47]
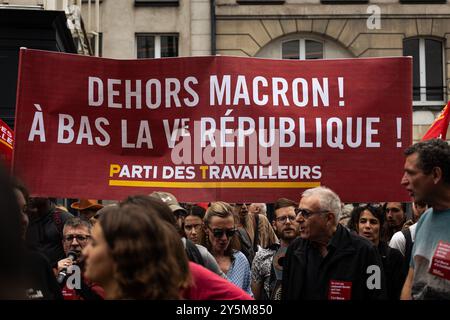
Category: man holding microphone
[76,234]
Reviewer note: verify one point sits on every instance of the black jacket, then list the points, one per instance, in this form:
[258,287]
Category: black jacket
[393,262]
[40,281]
[44,234]
[348,260]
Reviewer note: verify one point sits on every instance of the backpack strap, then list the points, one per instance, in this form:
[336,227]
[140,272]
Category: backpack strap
[408,248]
[409,243]
[246,245]
[256,240]
[193,253]
[275,278]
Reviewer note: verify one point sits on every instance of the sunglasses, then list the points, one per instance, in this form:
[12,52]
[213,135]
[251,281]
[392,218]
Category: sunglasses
[218,233]
[370,204]
[308,213]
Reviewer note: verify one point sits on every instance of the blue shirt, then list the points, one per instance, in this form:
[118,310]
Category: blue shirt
[239,272]
[432,228]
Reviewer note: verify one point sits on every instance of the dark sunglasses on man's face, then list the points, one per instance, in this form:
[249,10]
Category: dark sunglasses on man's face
[218,233]
[307,213]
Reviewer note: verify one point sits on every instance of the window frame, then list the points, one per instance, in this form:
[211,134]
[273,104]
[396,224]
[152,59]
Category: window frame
[260,2]
[302,44]
[156,3]
[423,1]
[157,48]
[423,102]
[344,1]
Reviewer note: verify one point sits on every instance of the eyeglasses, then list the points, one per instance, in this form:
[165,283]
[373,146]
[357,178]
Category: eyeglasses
[189,228]
[307,213]
[369,204]
[218,233]
[80,238]
[284,219]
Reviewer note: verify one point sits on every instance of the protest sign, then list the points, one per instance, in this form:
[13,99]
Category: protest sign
[6,143]
[212,128]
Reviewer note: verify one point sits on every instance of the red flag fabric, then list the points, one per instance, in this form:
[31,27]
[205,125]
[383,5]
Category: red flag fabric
[439,127]
[6,144]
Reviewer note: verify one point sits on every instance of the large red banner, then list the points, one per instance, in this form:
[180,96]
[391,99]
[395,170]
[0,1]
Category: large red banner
[212,128]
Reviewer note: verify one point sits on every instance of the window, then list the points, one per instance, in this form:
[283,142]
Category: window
[100,43]
[156,3]
[422,1]
[156,46]
[343,1]
[302,49]
[260,2]
[428,70]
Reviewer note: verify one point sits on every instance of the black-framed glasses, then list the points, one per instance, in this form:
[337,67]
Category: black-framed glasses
[218,233]
[284,219]
[80,238]
[308,213]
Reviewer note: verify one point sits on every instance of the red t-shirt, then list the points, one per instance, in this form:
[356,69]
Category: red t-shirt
[209,286]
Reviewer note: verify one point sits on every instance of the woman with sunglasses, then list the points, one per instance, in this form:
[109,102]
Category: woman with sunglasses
[221,240]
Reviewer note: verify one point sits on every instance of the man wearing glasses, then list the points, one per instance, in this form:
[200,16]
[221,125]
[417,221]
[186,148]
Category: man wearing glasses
[267,266]
[76,235]
[327,261]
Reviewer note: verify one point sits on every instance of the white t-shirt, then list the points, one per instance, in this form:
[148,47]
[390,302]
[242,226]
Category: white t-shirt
[398,240]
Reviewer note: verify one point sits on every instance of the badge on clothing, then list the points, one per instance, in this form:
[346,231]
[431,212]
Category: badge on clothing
[340,290]
[440,264]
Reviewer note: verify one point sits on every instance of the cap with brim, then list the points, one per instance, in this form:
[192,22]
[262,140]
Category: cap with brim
[85,204]
[168,199]
[175,207]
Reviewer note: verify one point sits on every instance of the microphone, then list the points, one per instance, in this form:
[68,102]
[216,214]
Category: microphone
[72,255]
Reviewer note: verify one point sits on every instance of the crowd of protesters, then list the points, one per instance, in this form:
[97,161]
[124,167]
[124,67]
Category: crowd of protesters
[311,248]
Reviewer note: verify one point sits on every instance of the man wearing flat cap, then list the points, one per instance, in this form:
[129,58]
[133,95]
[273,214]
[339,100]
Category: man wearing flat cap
[87,208]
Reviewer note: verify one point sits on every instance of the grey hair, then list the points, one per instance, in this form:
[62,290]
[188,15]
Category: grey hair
[76,222]
[262,207]
[328,200]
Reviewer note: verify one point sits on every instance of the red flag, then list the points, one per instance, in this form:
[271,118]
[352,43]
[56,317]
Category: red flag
[439,127]
[6,143]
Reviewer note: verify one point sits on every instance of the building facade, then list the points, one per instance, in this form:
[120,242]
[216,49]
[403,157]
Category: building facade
[292,29]
[280,29]
[314,29]
[26,24]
